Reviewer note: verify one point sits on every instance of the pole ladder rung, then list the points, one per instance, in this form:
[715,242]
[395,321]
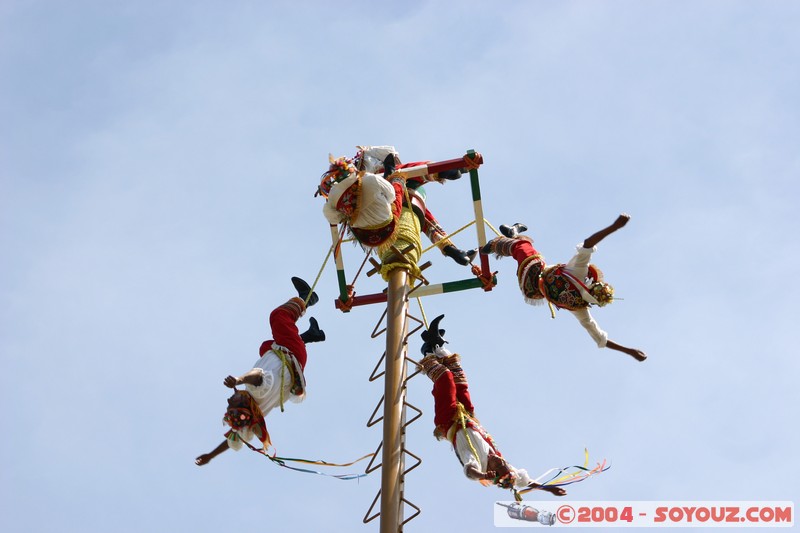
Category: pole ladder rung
[369,468]
[367,518]
[372,422]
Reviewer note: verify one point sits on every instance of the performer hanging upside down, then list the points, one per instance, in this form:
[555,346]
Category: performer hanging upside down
[276,376]
[574,286]
[371,205]
[455,419]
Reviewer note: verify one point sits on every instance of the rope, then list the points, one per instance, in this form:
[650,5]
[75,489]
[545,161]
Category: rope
[324,262]
[284,367]
[407,233]
[473,163]
[462,415]
[459,230]
[348,305]
[486,281]
[422,311]
[491,227]
[364,262]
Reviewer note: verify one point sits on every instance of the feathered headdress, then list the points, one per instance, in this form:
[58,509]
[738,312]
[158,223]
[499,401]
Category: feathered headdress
[339,169]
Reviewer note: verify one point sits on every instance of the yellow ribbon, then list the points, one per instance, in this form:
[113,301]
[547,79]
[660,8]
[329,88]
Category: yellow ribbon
[283,356]
[462,415]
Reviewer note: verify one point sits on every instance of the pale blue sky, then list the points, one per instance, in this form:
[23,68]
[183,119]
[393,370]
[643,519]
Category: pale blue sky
[157,169]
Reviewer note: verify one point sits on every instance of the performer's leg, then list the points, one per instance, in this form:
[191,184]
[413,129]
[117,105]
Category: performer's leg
[434,230]
[444,391]
[445,404]
[415,181]
[284,328]
[428,223]
[453,364]
[499,246]
[522,249]
[397,205]
[438,236]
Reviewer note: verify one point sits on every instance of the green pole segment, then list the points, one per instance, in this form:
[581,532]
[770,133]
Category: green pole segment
[473,179]
[342,285]
[337,255]
[477,205]
[455,286]
[450,286]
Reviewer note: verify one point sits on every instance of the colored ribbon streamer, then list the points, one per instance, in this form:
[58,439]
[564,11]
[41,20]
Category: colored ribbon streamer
[281,461]
[567,475]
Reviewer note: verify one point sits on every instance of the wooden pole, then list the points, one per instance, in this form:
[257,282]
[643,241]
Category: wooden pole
[394,402]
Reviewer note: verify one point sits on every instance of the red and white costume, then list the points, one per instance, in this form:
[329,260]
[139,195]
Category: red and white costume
[371,205]
[281,365]
[471,443]
[562,285]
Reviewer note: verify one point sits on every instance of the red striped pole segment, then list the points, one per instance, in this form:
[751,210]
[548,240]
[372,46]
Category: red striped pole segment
[441,166]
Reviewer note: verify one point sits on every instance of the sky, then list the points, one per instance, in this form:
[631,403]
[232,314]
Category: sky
[157,168]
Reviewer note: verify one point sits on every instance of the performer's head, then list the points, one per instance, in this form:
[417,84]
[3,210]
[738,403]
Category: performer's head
[245,418]
[498,465]
[370,158]
[602,292]
[599,289]
[506,476]
[339,170]
[240,412]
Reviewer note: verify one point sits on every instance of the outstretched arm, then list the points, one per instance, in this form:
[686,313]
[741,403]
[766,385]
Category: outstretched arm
[620,222]
[473,472]
[633,352]
[555,491]
[254,377]
[206,457]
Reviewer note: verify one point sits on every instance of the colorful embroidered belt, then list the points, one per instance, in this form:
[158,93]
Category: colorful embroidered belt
[374,237]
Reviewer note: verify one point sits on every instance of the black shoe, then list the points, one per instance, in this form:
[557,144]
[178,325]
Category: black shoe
[313,334]
[459,256]
[486,249]
[513,231]
[303,290]
[389,164]
[452,174]
[433,336]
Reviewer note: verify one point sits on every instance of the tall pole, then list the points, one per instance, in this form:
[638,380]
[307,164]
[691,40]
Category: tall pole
[394,401]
